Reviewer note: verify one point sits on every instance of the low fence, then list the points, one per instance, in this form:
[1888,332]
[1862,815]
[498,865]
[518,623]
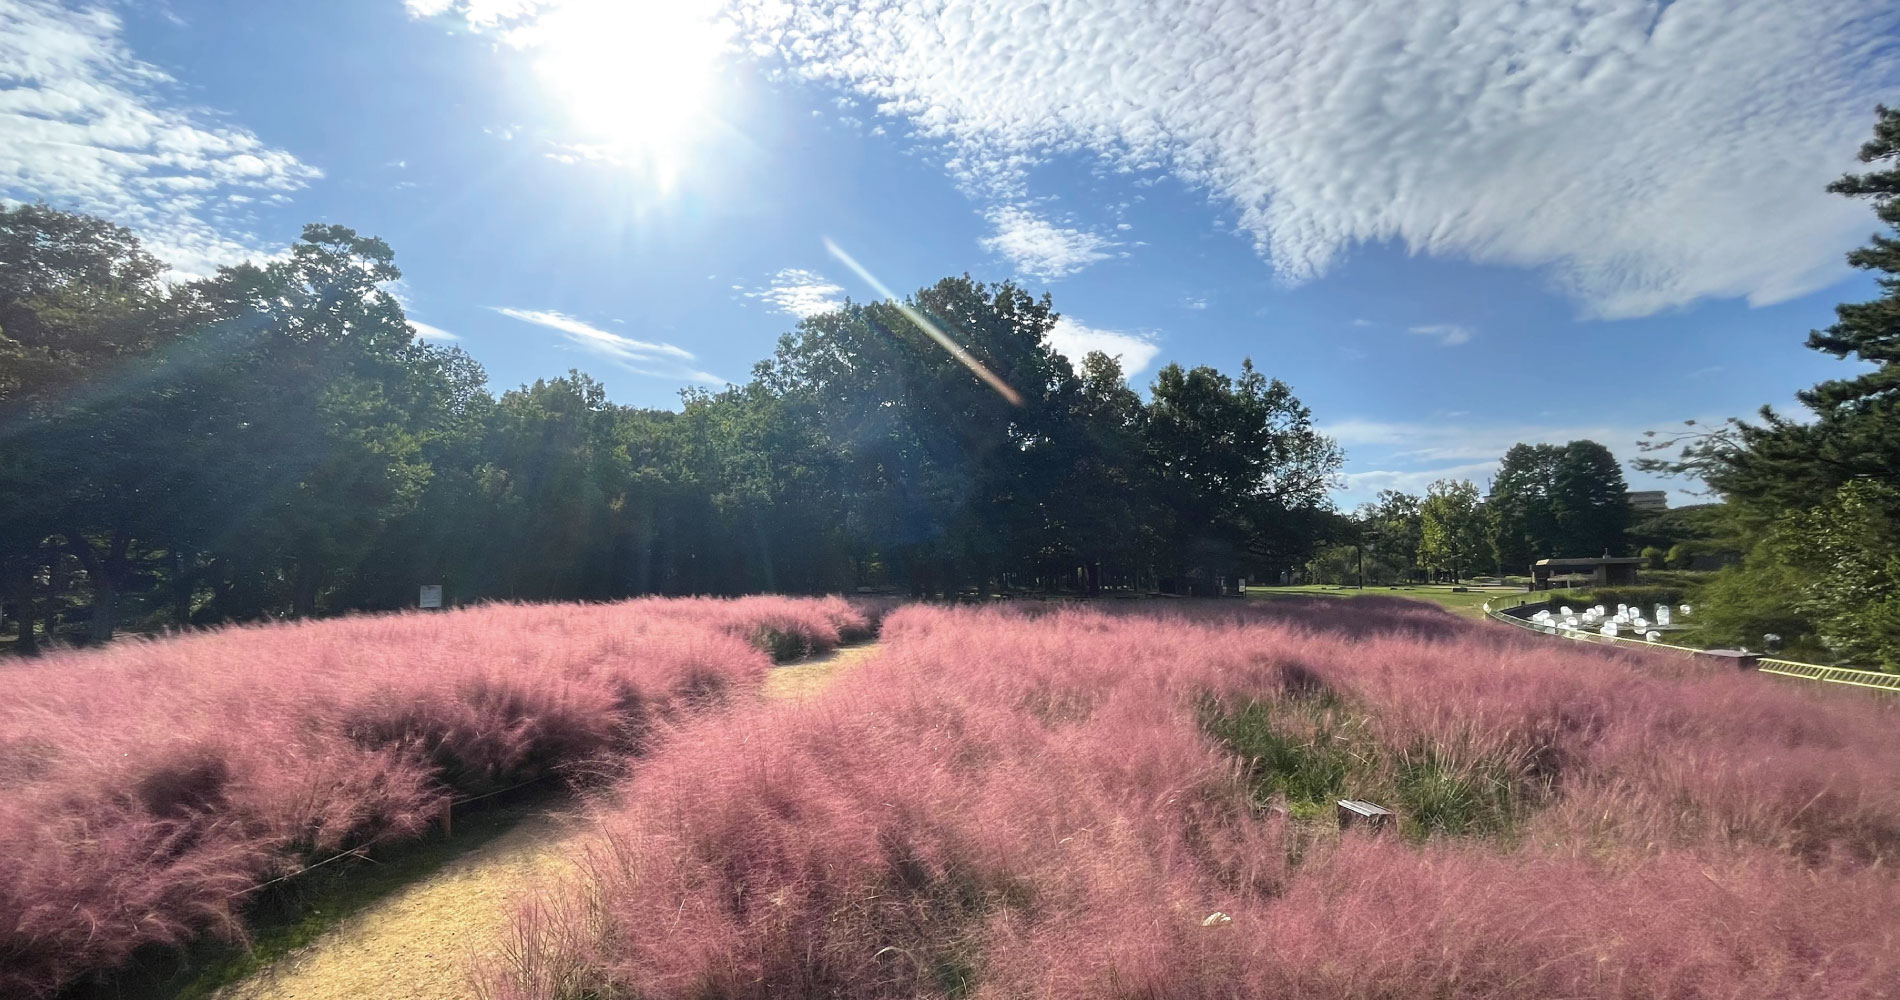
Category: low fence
[1868,679]
[1831,675]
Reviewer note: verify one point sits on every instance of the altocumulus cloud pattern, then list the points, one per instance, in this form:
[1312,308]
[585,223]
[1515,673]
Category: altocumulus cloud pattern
[1646,153]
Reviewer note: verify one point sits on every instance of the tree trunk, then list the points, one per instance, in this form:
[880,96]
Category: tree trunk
[105,611]
[29,614]
[104,576]
[182,587]
[20,597]
[304,588]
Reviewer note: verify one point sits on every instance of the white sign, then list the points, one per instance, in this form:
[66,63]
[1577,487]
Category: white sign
[431,596]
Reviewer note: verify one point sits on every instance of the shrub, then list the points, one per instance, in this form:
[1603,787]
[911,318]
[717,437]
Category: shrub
[1742,603]
[146,788]
[1068,803]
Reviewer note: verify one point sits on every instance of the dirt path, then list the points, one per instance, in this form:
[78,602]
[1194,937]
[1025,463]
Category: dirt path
[802,680]
[416,943]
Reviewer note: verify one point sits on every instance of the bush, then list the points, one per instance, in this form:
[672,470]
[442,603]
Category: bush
[1688,580]
[147,787]
[1740,604]
[1077,803]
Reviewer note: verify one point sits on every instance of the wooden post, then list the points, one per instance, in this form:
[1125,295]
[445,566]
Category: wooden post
[447,805]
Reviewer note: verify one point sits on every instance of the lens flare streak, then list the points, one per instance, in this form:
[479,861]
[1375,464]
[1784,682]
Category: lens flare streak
[923,323]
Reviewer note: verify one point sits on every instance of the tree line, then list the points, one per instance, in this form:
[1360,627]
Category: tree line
[1546,501]
[275,441]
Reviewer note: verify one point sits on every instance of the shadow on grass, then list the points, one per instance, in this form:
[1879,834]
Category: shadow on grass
[297,913]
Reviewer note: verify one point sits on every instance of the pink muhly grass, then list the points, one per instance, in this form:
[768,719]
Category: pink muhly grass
[148,786]
[1021,804]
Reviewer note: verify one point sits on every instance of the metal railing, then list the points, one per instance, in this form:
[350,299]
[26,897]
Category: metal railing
[1868,679]
[1832,675]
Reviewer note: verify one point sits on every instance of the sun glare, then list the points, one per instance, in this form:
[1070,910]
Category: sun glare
[639,80]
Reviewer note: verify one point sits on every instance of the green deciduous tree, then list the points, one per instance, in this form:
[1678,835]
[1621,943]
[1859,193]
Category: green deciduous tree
[1390,527]
[273,440]
[1451,528]
[83,463]
[1240,471]
[1846,553]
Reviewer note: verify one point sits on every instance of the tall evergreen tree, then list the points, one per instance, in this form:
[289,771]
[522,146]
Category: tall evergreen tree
[1782,464]
[1519,517]
[1589,501]
[1549,501]
[1819,500]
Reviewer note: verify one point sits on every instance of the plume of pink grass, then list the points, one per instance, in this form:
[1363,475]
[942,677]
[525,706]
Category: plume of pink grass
[1024,803]
[146,787]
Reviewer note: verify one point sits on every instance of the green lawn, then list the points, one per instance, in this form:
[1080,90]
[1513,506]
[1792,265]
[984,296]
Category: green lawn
[1470,603]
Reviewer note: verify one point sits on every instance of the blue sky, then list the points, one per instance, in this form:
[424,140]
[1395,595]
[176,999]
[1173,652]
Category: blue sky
[1449,224]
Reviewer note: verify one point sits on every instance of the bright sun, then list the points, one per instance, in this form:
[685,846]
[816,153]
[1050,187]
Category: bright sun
[638,78]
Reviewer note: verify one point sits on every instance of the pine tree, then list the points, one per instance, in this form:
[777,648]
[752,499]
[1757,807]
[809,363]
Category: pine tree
[1781,464]
[1821,500]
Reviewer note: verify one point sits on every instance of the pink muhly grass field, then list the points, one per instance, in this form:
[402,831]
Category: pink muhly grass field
[1121,802]
[147,787]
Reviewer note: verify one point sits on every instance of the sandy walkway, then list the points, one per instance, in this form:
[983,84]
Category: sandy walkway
[416,944]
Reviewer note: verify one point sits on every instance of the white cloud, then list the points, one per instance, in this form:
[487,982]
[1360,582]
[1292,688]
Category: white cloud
[638,356]
[1447,334]
[1075,341]
[1038,247]
[1194,302]
[428,331]
[1363,486]
[799,292]
[1442,442]
[86,125]
[1644,154]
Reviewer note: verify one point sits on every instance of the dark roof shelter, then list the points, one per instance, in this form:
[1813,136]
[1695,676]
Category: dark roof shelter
[1605,571]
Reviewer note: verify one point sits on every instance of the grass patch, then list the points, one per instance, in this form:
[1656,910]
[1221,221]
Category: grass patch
[1307,754]
[1468,603]
[1440,795]
[1300,752]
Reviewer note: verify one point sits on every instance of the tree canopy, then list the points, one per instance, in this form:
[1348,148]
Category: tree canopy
[1549,502]
[274,440]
